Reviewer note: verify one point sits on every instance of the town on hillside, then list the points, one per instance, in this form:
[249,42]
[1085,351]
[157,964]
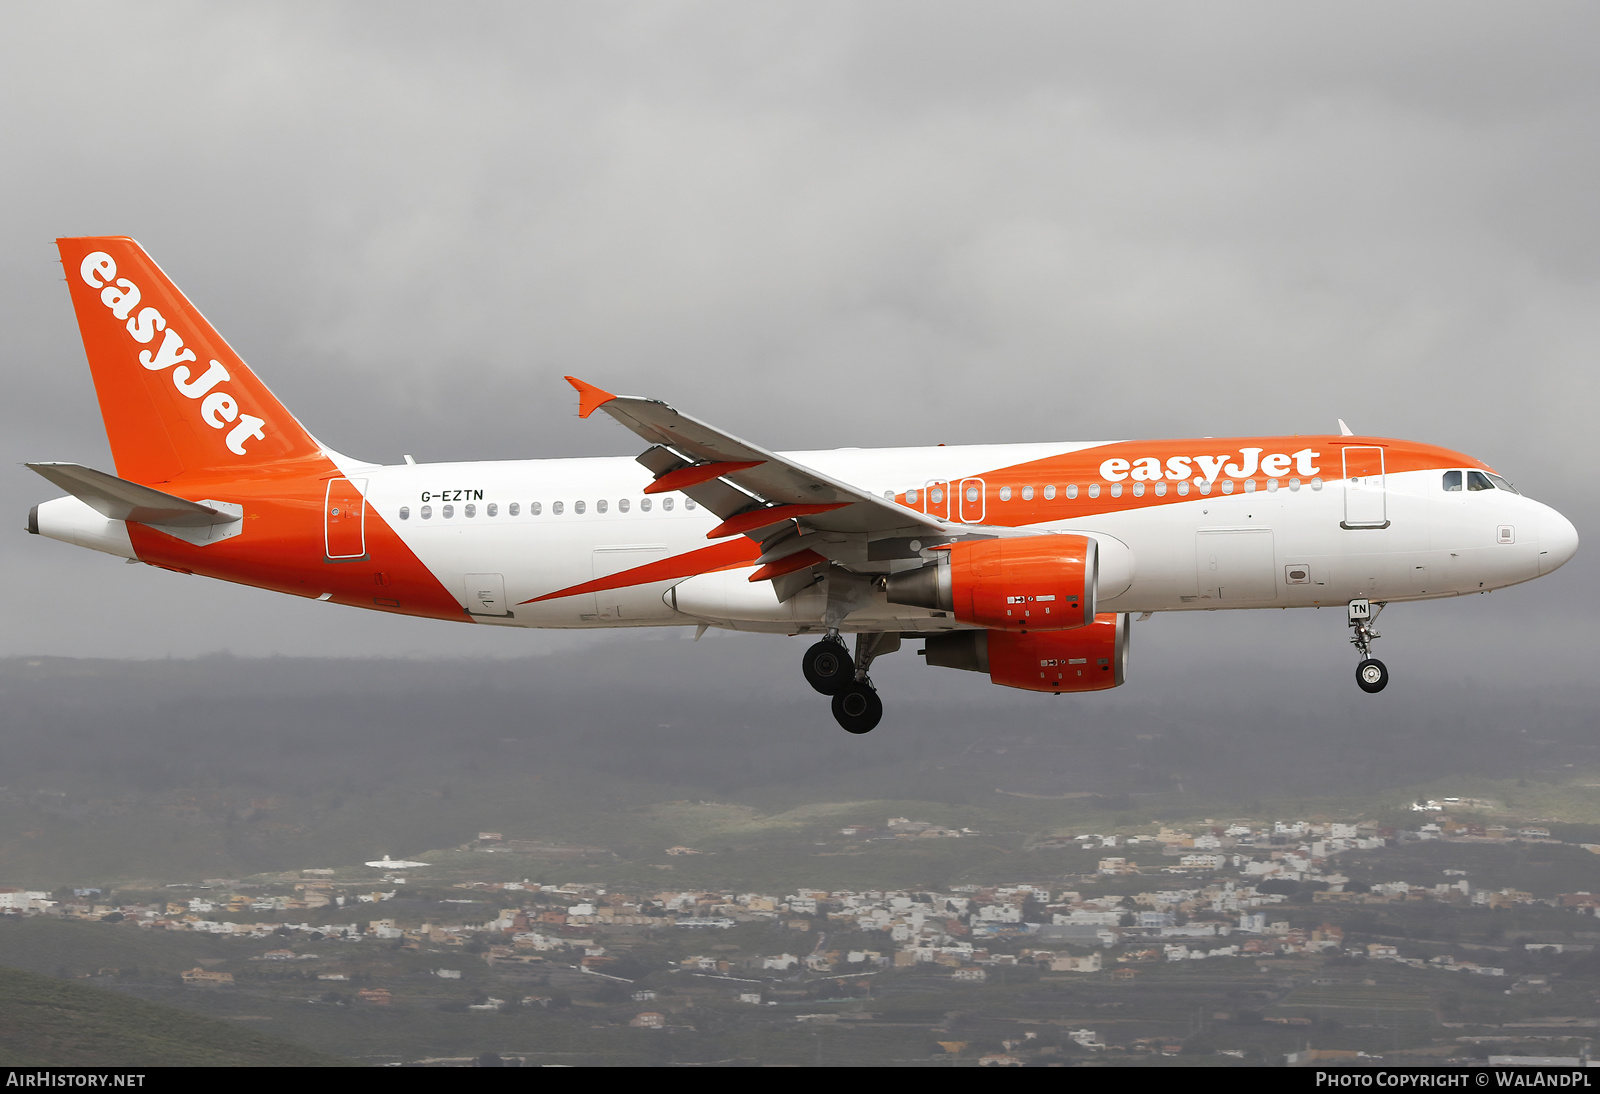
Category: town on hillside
[1320,940]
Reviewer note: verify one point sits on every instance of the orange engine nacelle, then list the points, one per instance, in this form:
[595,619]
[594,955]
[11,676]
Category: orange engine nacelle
[1093,658]
[1032,583]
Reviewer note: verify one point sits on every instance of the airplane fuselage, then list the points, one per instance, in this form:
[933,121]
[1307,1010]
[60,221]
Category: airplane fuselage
[495,539]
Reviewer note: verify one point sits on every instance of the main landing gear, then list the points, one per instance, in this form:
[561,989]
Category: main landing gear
[1372,676]
[857,708]
[830,669]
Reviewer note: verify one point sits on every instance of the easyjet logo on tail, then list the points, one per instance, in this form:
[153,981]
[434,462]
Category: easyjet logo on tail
[1251,461]
[218,408]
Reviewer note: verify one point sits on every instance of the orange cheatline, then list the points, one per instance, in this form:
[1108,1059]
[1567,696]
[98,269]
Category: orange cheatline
[590,398]
[788,564]
[694,474]
[740,523]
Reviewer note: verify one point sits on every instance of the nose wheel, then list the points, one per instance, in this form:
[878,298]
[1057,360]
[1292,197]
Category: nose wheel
[1372,675]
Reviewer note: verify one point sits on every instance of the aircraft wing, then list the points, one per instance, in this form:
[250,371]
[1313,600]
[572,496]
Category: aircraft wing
[787,507]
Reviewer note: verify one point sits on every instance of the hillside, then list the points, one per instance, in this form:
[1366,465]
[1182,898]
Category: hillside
[47,1022]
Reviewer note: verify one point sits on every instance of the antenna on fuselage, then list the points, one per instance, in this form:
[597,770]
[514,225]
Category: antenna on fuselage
[1344,430]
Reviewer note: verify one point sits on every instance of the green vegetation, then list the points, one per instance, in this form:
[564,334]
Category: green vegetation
[48,1022]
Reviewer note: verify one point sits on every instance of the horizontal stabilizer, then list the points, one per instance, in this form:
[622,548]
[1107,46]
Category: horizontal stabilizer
[120,499]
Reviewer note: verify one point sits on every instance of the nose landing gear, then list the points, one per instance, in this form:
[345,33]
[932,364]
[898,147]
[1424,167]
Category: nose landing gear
[1372,675]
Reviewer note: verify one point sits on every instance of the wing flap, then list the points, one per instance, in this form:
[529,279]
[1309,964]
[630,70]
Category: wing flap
[754,520]
[694,475]
[802,559]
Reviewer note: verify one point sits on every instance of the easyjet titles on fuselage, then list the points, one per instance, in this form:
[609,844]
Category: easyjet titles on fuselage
[1177,468]
[217,408]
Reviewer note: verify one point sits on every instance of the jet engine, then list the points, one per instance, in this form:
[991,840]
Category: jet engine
[1092,658]
[1032,583]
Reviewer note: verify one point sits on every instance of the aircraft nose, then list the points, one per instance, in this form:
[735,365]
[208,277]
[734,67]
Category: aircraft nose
[1558,540]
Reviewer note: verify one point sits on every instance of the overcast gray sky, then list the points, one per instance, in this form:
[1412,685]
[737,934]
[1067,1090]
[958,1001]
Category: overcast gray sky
[823,225]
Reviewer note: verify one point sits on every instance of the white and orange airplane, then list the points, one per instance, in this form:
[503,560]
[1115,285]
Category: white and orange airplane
[1024,561]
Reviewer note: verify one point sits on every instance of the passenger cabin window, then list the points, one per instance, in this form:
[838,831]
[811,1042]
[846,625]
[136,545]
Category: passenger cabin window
[600,506]
[405,512]
[1477,480]
[514,507]
[578,507]
[645,504]
[427,512]
[1452,480]
[447,512]
[622,505]
[1050,493]
[1027,493]
[666,503]
[556,507]
[469,509]
[492,509]
[688,503]
[1005,493]
[1072,490]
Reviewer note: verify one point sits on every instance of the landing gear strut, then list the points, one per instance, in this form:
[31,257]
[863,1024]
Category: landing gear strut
[1372,676]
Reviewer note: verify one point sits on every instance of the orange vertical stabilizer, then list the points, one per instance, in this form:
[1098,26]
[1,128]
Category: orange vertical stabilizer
[175,397]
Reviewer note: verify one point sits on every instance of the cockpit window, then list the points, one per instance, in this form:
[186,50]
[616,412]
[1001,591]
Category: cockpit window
[1502,484]
[1452,480]
[1477,480]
